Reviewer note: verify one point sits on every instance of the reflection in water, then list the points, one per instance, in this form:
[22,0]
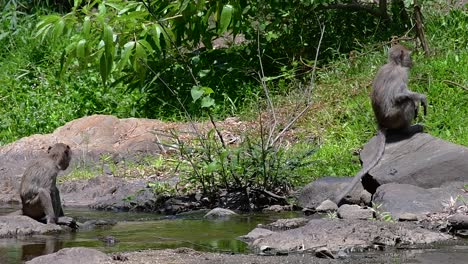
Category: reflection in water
[137,231]
[41,246]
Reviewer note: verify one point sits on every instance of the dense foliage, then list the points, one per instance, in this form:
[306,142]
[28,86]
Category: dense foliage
[60,61]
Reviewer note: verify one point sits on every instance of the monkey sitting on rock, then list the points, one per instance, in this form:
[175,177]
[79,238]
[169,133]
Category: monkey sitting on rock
[40,196]
[394,105]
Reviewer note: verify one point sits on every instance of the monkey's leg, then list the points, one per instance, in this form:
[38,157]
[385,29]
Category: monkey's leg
[46,203]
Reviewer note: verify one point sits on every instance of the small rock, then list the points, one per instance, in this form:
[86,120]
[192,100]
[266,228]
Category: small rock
[327,206]
[355,212]
[277,208]
[462,233]
[458,221]
[265,249]
[408,217]
[341,254]
[256,233]
[108,240]
[119,257]
[308,211]
[365,197]
[323,252]
[285,224]
[219,213]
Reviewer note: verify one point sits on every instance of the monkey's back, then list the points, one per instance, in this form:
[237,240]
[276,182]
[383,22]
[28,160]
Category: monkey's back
[390,80]
[41,173]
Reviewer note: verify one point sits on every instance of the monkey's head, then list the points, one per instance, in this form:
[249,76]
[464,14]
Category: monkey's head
[400,55]
[61,154]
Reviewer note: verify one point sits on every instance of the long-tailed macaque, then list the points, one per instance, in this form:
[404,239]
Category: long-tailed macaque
[394,105]
[40,196]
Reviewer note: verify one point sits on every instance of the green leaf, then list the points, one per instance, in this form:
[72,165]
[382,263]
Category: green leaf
[140,57]
[212,167]
[226,15]
[207,90]
[58,29]
[103,68]
[81,49]
[197,92]
[86,26]
[203,73]
[146,45]
[125,55]
[201,4]
[102,9]
[156,35]
[4,35]
[108,38]
[207,102]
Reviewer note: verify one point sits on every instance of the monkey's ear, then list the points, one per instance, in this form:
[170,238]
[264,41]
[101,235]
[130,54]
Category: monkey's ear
[402,55]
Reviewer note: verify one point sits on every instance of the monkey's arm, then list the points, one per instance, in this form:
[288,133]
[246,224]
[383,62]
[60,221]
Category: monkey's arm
[415,97]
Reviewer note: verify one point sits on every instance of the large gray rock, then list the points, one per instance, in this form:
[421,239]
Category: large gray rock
[73,256]
[94,137]
[327,188]
[338,235]
[398,199]
[421,160]
[20,225]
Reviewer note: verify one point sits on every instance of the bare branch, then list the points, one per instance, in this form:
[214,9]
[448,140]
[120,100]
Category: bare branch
[265,88]
[309,101]
[456,84]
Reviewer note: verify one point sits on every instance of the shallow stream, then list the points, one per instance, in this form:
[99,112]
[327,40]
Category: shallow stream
[137,231]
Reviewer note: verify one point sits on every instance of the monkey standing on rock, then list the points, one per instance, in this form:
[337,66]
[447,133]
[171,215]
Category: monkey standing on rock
[394,105]
[40,196]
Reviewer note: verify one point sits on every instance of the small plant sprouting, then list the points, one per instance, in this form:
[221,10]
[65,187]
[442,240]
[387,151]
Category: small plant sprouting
[380,215]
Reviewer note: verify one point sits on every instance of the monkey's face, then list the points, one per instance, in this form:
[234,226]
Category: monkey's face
[407,61]
[61,154]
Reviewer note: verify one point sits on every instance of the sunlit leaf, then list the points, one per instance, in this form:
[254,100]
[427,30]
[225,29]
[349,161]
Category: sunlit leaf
[207,102]
[86,26]
[226,16]
[212,167]
[126,53]
[197,92]
[58,29]
[81,49]
[203,73]
[108,37]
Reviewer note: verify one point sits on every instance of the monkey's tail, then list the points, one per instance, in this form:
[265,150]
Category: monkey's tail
[381,136]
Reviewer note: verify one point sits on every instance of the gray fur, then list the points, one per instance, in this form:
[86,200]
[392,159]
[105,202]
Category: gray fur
[40,196]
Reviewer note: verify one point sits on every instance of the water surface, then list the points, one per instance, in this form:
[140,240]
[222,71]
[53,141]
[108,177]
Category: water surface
[137,231]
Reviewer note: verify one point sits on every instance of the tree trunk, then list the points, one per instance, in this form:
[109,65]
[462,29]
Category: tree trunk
[420,27]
